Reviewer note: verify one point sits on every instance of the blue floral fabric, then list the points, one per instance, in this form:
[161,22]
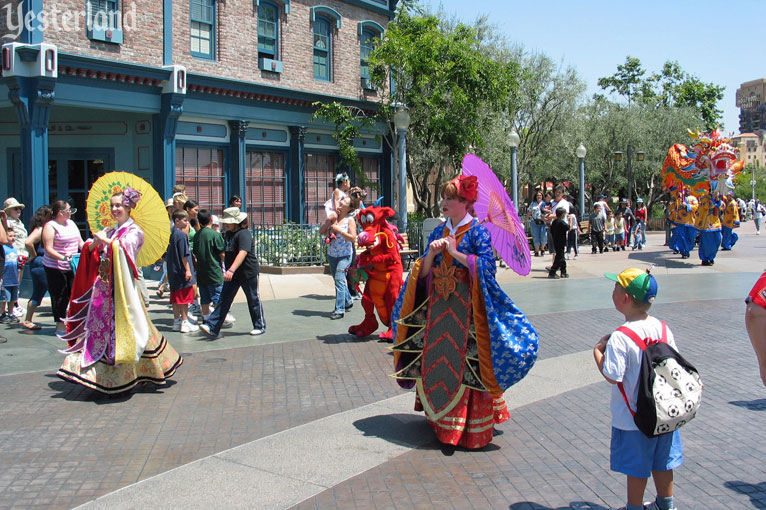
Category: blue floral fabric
[513,339]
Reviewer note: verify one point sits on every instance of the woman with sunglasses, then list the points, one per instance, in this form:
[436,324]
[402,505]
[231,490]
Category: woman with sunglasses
[61,240]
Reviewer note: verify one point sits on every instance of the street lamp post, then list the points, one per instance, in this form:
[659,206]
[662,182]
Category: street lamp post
[752,182]
[401,123]
[639,157]
[513,142]
[581,152]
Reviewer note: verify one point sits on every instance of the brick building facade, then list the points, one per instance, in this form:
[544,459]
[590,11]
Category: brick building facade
[216,94]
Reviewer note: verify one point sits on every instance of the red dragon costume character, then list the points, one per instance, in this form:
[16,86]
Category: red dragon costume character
[383,266]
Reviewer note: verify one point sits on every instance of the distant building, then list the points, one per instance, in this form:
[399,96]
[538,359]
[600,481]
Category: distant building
[752,149]
[751,97]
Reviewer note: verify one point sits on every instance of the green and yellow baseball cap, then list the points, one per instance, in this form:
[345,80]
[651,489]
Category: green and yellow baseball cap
[636,282]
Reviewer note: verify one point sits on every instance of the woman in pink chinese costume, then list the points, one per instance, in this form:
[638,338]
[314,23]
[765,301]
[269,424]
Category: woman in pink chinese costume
[113,344]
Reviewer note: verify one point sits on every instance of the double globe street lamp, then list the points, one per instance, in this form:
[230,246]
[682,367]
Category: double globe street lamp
[639,157]
[513,143]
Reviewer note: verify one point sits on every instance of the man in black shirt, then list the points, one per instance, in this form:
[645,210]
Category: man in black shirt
[559,230]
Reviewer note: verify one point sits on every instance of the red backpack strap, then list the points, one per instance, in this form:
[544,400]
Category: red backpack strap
[641,345]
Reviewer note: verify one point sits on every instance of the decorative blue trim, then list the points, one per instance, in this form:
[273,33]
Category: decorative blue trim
[167,32]
[114,66]
[238,165]
[378,6]
[327,11]
[165,127]
[372,25]
[202,129]
[263,135]
[285,4]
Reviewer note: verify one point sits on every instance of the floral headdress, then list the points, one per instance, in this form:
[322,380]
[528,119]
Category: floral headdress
[130,197]
[467,187]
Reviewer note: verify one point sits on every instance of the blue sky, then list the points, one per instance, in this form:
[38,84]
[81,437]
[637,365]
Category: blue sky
[715,41]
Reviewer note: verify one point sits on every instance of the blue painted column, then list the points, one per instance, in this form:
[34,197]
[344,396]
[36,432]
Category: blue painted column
[167,32]
[237,184]
[32,99]
[296,202]
[164,153]
[35,35]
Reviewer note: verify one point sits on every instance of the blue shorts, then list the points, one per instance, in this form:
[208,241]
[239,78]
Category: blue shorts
[634,454]
[9,294]
[209,294]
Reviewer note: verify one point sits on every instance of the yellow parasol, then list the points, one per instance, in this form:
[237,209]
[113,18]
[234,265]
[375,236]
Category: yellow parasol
[150,213]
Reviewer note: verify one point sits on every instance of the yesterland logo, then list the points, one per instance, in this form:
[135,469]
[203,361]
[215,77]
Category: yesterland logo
[93,18]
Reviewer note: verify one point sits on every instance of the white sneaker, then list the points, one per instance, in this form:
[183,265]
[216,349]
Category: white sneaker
[257,332]
[191,318]
[188,327]
[230,318]
[19,312]
[195,308]
[176,324]
[566,256]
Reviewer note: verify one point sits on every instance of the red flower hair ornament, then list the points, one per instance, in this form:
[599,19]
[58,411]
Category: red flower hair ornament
[467,187]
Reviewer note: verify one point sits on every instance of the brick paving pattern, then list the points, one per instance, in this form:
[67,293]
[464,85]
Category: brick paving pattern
[554,454]
[63,445]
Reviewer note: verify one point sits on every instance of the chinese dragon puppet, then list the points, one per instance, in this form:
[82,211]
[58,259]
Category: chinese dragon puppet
[696,178]
[381,265]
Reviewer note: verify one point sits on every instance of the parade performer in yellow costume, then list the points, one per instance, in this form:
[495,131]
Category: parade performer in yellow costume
[684,233]
[458,338]
[730,222]
[116,346]
[709,226]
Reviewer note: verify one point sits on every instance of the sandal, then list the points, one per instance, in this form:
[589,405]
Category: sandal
[161,291]
[31,326]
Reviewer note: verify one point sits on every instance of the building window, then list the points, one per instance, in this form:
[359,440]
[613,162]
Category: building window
[322,49]
[265,184]
[104,22]
[268,30]
[201,170]
[371,170]
[367,45]
[203,28]
[318,185]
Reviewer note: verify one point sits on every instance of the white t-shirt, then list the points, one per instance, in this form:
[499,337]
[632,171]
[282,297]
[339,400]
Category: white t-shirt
[561,203]
[622,363]
[602,211]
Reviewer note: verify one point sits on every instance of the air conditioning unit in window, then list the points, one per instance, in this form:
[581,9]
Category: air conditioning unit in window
[368,85]
[271,65]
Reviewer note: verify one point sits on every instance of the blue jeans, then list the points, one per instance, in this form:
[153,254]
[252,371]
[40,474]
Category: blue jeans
[250,288]
[210,294]
[639,234]
[539,234]
[39,281]
[338,266]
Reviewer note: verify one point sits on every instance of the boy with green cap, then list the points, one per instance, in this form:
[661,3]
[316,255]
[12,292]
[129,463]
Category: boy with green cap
[619,360]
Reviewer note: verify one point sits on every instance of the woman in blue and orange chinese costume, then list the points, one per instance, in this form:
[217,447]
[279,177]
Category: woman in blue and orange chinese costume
[458,339]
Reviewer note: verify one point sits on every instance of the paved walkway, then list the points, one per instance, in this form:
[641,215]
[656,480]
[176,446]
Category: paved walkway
[307,416]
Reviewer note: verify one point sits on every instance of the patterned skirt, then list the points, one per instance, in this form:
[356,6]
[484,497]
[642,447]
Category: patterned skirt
[158,363]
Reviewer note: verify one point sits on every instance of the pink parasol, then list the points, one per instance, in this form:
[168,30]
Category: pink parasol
[497,212]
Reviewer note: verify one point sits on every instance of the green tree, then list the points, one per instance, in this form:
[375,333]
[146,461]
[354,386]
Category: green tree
[448,84]
[671,87]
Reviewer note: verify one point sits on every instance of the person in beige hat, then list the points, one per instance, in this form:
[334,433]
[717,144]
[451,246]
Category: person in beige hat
[13,210]
[241,271]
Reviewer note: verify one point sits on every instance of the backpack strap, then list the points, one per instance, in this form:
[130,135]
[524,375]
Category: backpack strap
[641,345]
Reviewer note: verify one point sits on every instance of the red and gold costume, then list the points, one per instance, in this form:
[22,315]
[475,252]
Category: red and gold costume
[383,266]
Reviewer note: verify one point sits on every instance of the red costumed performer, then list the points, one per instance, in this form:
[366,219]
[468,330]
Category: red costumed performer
[383,266]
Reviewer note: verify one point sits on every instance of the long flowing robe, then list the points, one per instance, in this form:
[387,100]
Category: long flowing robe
[112,343]
[709,226]
[730,222]
[461,341]
[684,234]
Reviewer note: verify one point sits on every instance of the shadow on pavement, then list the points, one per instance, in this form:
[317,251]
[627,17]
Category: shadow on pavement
[345,338]
[664,259]
[410,430]
[574,505]
[320,297]
[312,313]
[756,492]
[76,393]
[751,405]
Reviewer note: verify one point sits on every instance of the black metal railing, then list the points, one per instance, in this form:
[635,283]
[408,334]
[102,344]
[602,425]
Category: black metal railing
[290,244]
[293,244]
